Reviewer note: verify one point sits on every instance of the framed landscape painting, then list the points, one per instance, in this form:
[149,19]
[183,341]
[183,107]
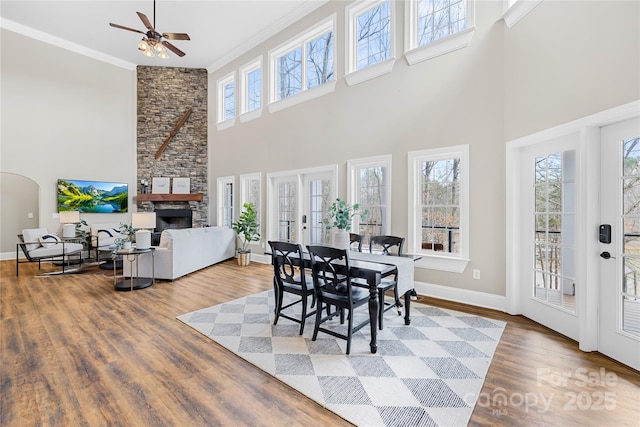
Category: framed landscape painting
[92,196]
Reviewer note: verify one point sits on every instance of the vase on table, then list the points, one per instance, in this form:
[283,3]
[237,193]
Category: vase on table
[340,239]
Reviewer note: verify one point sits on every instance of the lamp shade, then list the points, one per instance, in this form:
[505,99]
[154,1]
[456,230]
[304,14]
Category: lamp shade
[143,220]
[67,217]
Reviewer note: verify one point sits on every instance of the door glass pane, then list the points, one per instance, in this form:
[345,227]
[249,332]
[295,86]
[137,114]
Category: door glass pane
[287,212]
[554,237]
[631,249]
[319,201]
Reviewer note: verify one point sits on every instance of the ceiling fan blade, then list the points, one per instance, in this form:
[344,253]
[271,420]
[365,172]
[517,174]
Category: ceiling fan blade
[172,48]
[126,28]
[176,36]
[145,21]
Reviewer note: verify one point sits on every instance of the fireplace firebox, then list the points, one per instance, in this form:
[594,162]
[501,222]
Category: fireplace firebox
[170,218]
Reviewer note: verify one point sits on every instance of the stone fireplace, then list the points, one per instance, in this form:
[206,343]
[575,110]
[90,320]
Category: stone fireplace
[164,94]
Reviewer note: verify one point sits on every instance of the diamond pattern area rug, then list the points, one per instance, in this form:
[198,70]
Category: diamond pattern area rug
[429,373]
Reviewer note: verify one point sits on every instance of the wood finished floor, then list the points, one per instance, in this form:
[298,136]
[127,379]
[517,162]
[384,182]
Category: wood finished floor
[75,352]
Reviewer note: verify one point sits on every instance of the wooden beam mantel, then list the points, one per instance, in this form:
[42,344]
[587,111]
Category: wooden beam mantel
[194,197]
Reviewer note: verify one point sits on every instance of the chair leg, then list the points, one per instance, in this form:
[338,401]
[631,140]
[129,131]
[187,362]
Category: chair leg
[278,293]
[349,331]
[380,308]
[398,303]
[316,327]
[304,313]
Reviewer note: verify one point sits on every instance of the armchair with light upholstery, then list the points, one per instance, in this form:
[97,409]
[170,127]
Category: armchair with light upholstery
[38,245]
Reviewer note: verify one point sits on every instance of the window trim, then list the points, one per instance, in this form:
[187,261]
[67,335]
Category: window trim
[275,104]
[430,259]
[517,10]
[353,166]
[415,54]
[221,182]
[352,75]
[245,115]
[223,123]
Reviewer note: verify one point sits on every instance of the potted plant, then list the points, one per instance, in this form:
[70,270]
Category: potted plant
[341,214]
[247,229]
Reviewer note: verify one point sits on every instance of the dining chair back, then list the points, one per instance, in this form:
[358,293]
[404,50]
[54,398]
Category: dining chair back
[391,245]
[289,275]
[355,242]
[332,283]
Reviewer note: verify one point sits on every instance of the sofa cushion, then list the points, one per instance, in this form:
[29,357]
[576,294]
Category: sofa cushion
[32,236]
[49,240]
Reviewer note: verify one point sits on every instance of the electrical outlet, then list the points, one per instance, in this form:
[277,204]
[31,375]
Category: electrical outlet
[476,274]
[30,215]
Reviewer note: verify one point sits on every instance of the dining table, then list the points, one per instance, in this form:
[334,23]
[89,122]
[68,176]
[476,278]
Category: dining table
[372,267]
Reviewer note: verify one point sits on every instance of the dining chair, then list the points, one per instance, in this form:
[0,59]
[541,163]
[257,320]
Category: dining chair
[355,242]
[333,287]
[289,275]
[391,245]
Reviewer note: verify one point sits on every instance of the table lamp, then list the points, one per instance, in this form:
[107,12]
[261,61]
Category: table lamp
[68,219]
[144,221]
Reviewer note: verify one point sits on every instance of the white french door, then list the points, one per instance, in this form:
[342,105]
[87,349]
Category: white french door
[547,257]
[619,237]
[298,202]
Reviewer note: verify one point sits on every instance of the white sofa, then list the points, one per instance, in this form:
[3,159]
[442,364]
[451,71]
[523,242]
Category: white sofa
[183,251]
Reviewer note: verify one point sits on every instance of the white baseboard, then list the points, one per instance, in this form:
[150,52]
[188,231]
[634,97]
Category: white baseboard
[479,299]
[9,255]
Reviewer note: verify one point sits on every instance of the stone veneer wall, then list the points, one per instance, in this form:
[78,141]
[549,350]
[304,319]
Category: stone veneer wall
[164,94]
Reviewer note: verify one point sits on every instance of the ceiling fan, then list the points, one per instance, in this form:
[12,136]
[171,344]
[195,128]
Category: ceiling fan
[152,43]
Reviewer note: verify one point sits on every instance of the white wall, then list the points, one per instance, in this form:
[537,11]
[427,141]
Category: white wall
[65,116]
[508,82]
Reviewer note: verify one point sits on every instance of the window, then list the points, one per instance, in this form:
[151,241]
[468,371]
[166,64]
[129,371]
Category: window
[250,191]
[436,27]
[225,200]
[369,184]
[439,207]
[227,99]
[251,88]
[303,63]
[370,40]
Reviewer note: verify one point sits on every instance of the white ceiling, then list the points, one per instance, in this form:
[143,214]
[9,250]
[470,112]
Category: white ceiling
[220,30]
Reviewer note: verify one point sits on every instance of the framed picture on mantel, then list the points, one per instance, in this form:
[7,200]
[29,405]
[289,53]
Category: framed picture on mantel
[160,185]
[181,186]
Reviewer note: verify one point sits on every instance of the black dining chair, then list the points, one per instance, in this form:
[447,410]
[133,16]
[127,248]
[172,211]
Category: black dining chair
[332,283]
[289,275]
[355,242]
[391,245]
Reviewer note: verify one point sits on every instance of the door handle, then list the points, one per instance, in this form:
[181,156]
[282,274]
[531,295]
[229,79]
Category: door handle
[606,255]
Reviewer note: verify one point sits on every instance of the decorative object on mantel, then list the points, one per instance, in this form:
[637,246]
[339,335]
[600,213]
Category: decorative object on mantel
[341,213]
[144,186]
[181,186]
[173,132]
[247,228]
[160,185]
[193,197]
[152,43]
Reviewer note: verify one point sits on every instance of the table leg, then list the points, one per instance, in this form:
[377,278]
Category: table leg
[407,304]
[373,311]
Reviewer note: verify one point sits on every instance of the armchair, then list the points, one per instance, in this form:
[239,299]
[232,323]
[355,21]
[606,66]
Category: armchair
[38,245]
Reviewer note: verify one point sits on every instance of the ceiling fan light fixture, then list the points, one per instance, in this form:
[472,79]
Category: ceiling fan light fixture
[148,53]
[163,55]
[143,45]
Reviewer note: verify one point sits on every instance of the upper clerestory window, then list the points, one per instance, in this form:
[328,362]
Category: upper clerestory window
[436,27]
[303,67]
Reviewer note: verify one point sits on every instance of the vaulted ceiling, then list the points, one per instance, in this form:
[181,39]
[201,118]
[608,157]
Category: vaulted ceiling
[219,30]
